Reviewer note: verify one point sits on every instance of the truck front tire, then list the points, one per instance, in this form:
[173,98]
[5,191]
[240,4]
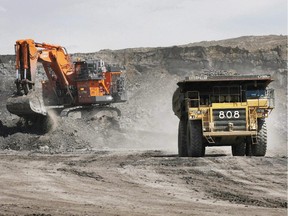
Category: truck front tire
[182,138]
[195,145]
[239,149]
[259,149]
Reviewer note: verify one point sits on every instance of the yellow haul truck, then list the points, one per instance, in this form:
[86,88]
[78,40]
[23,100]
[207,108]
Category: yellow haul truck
[223,111]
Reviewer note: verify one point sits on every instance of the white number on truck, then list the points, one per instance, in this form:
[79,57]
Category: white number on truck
[229,114]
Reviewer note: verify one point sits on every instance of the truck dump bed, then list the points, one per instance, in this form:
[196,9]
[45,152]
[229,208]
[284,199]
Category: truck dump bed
[200,80]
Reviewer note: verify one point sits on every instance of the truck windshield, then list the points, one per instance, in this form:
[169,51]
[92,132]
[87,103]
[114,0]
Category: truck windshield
[255,94]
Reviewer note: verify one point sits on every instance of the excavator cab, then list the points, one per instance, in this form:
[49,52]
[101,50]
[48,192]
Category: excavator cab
[97,84]
[89,69]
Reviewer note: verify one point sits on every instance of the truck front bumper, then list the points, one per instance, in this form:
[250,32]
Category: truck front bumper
[229,133]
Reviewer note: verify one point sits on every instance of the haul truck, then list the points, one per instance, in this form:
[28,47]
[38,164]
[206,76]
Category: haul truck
[223,110]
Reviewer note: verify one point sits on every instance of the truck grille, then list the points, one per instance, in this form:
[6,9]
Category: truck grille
[229,119]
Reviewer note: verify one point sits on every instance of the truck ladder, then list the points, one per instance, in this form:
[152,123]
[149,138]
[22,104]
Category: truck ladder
[254,139]
[209,139]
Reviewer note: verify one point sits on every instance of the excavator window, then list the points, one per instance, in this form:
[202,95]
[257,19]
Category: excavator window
[91,68]
[88,70]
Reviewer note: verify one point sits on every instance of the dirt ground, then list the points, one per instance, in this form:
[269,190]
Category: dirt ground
[136,182]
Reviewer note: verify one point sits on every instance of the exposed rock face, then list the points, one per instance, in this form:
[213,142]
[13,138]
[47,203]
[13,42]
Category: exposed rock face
[248,54]
[259,54]
[152,74]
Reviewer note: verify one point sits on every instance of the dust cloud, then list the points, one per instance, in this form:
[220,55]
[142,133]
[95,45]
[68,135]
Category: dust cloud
[53,120]
[277,139]
[147,120]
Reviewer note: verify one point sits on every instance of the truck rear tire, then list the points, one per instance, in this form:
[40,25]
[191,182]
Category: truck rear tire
[239,149]
[195,145]
[182,138]
[259,149]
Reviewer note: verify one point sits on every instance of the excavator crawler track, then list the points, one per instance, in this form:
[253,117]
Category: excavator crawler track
[92,112]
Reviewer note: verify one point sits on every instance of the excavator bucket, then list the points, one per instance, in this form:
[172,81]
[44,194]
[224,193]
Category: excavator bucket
[26,105]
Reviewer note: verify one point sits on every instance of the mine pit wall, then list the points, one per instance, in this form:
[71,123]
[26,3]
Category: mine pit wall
[152,74]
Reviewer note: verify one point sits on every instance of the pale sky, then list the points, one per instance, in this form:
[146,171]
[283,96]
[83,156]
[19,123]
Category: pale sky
[92,25]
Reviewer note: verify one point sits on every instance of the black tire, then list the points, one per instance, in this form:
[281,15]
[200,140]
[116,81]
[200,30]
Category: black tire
[25,88]
[195,145]
[248,146]
[182,139]
[260,148]
[239,149]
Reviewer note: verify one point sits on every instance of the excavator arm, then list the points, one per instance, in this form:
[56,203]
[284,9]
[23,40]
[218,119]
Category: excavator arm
[57,66]
[28,53]
[26,63]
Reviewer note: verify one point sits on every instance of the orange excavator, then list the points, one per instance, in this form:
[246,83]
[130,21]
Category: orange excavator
[70,85]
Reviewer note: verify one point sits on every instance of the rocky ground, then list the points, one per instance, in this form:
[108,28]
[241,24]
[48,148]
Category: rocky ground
[133,182]
[129,166]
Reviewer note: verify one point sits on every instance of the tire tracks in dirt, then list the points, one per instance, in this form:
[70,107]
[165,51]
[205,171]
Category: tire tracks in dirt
[141,183]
